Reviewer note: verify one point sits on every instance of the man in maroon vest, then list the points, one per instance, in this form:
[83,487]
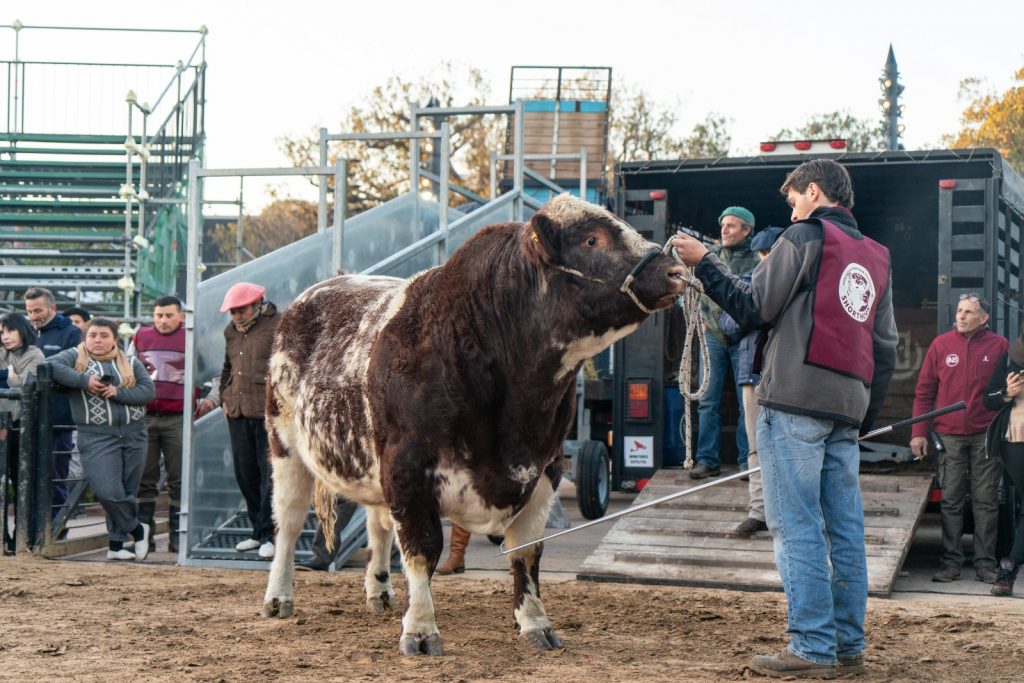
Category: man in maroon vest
[825,290]
[161,348]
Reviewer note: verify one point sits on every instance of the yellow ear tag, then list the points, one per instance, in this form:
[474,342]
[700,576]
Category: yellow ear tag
[534,237]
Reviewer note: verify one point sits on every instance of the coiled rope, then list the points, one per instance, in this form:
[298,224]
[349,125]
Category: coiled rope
[694,326]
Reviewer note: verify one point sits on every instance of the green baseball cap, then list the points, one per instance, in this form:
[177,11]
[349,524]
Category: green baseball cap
[741,213]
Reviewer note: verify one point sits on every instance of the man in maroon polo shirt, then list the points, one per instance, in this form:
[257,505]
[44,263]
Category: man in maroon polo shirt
[161,348]
[957,367]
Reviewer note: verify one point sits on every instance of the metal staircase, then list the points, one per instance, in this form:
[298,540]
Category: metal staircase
[96,215]
[62,222]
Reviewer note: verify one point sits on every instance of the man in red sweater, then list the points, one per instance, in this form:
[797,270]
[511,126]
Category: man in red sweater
[957,367]
[161,348]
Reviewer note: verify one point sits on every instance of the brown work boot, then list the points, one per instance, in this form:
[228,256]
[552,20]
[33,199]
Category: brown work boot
[456,562]
[851,666]
[787,664]
[1003,585]
[750,526]
[703,471]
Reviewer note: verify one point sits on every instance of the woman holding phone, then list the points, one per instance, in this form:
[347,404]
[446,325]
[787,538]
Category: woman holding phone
[109,413]
[1005,439]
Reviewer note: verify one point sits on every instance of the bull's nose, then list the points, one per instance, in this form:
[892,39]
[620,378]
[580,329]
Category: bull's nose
[676,274]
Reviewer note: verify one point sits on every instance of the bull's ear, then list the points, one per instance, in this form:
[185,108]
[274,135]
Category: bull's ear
[543,238]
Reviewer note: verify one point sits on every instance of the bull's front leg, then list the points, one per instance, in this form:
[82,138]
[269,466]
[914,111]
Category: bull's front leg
[421,541]
[534,626]
[380,596]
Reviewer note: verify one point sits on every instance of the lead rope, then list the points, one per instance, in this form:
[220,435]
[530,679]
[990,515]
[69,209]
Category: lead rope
[694,328]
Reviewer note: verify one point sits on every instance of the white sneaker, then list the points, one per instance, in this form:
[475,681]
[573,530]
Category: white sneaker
[142,547]
[267,550]
[121,554]
[247,544]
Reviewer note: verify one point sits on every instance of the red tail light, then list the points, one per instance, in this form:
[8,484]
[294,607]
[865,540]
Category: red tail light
[837,144]
[768,146]
[803,145]
[658,194]
[947,184]
[640,484]
[638,400]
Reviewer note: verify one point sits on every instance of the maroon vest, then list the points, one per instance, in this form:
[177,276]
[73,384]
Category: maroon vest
[164,358]
[852,276]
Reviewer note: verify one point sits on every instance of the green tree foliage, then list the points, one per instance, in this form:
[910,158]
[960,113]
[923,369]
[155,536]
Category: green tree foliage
[861,135]
[380,171]
[993,120]
[642,129]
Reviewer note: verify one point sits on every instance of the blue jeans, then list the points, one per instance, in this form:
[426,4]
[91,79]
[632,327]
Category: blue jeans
[709,415]
[673,454]
[814,512]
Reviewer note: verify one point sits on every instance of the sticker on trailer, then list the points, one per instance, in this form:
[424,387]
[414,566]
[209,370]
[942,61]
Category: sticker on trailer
[639,451]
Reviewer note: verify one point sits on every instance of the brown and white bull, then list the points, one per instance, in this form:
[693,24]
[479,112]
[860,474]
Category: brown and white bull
[449,395]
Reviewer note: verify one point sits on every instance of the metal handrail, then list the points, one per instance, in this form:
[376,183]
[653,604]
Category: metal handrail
[62,63]
[437,236]
[17,26]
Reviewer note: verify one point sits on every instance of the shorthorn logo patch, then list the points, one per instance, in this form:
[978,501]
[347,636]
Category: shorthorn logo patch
[856,292]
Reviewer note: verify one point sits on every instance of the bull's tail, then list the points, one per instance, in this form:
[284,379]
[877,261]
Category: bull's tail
[323,503]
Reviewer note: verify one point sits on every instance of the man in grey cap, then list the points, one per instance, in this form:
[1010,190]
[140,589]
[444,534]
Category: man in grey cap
[737,224]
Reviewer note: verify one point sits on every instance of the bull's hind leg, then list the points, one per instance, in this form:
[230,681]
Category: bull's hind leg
[379,594]
[532,620]
[293,492]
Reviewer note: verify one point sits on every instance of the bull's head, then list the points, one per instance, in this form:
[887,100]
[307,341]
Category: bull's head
[594,253]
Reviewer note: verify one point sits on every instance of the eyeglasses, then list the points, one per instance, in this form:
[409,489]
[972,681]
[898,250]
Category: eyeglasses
[974,298]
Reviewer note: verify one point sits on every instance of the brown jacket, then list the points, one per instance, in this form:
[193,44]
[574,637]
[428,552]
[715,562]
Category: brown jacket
[243,381]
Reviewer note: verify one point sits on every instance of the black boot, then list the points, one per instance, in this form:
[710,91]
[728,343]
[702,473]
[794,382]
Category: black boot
[172,536]
[146,512]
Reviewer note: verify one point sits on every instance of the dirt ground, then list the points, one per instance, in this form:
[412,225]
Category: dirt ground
[101,622]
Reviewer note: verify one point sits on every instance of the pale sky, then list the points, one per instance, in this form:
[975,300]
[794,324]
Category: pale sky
[280,68]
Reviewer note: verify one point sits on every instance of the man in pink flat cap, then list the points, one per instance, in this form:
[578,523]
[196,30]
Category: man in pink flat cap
[249,341]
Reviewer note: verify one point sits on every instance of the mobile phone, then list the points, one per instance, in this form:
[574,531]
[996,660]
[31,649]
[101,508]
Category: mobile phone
[107,379]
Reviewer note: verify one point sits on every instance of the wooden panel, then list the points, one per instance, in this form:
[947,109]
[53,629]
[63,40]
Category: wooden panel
[691,540]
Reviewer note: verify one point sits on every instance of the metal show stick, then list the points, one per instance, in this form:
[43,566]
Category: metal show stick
[685,492]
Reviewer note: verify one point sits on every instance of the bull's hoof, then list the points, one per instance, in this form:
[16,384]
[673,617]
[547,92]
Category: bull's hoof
[542,639]
[379,604]
[282,609]
[418,644]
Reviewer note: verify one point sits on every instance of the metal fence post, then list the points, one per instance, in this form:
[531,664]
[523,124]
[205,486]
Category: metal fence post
[44,455]
[5,458]
[340,213]
[23,508]
[517,164]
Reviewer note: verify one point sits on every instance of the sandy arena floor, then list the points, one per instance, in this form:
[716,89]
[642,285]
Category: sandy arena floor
[101,622]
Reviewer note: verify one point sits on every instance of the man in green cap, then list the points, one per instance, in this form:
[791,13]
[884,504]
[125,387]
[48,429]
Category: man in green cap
[737,225]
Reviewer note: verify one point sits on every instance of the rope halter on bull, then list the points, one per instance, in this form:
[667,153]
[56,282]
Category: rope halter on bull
[691,299]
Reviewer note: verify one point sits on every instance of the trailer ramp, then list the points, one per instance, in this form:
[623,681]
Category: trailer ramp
[690,541]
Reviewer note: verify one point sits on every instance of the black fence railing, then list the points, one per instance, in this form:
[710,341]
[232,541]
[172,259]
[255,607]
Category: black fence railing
[27,474]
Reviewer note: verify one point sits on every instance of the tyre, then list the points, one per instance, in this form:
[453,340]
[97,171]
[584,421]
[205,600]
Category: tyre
[593,483]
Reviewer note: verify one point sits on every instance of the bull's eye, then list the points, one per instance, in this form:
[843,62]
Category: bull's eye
[591,241]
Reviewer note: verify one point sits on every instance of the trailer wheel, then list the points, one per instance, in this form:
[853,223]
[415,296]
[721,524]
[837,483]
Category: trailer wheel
[593,485]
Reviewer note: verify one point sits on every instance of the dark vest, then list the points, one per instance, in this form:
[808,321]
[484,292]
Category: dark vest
[852,276]
[163,355]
